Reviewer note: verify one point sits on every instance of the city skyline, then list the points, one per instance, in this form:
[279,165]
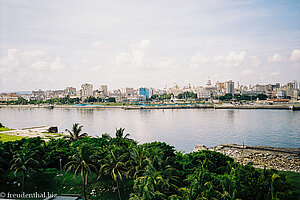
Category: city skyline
[139,43]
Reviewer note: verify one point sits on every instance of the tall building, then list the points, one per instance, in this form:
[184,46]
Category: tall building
[229,86]
[220,86]
[86,90]
[103,88]
[70,91]
[295,84]
[144,91]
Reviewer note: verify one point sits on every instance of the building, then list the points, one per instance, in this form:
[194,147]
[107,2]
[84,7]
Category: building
[70,91]
[144,92]
[229,87]
[86,90]
[295,85]
[127,91]
[9,97]
[103,88]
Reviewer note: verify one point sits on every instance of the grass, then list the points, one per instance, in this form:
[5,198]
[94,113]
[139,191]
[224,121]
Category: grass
[294,180]
[6,138]
[5,129]
[53,135]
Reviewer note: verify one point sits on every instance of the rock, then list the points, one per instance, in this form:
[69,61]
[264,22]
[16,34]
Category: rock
[200,147]
[53,129]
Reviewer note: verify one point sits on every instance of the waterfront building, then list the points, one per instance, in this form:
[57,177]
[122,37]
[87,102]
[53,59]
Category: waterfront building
[281,94]
[220,87]
[144,92]
[39,95]
[175,89]
[86,90]
[9,97]
[103,88]
[127,91]
[229,87]
[71,91]
[295,84]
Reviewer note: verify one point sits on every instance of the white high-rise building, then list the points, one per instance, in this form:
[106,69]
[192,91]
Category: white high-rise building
[295,84]
[86,90]
[103,88]
[229,85]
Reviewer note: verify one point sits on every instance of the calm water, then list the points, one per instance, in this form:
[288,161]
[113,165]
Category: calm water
[181,128]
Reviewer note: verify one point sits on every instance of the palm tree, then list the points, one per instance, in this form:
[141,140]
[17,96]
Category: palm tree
[24,161]
[114,166]
[137,162]
[82,162]
[76,134]
[153,184]
[106,136]
[120,133]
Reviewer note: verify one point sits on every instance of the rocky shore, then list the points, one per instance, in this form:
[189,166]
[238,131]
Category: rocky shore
[279,158]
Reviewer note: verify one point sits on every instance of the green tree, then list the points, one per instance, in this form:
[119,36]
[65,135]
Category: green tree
[152,185]
[82,161]
[76,134]
[25,162]
[137,162]
[112,165]
[120,133]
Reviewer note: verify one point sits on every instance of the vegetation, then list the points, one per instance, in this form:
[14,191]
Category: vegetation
[6,138]
[75,134]
[243,97]
[187,95]
[161,97]
[119,168]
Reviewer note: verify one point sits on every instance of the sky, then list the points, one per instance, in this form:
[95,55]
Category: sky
[60,43]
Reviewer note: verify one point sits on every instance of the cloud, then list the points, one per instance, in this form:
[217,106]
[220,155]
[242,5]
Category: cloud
[96,68]
[255,61]
[164,63]
[295,55]
[275,73]
[198,60]
[232,59]
[276,58]
[136,56]
[97,44]
[56,65]
[248,72]
[29,60]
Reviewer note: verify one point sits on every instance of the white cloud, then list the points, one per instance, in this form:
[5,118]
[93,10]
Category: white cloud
[232,59]
[136,56]
[57,65]
[97,44]
[198,60]
[275,73]
[248,72]
[29,60]
[164,63]
[295,55]
[276,58]
[96,68]
[255,61]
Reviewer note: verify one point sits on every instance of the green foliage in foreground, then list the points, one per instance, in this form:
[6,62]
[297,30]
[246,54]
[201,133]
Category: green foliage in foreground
[119,168]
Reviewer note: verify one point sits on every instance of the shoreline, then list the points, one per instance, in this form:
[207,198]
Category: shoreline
[200,106]
[279,158]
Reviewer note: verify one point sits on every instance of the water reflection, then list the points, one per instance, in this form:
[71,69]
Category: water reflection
[181,128]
